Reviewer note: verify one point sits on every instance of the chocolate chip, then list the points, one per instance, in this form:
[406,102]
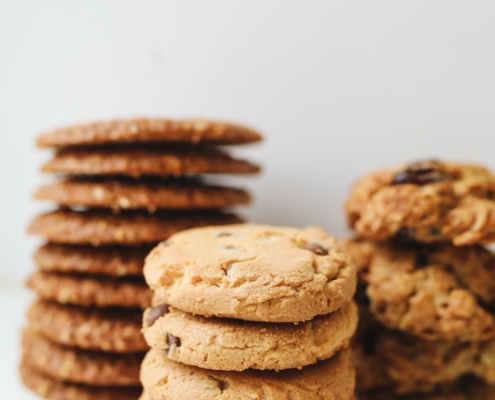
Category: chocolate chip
[173,340]
[316,248]
[421,173]
[156,312]
[222,385]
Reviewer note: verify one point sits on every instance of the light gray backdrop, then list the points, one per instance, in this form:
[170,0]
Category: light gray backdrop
[339,88]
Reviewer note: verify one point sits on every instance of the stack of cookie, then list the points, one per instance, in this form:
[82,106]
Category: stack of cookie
[426,283]
[249,312]
[127,186]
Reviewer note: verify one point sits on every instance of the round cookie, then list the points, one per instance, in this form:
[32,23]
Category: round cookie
[80,366]
[88,291]
[252,272]
[426,201]
[332,379]
[111,330]
[109,260]
[150,194]
[234,345]
[139,130]
[51,389]
[430,291]
[137,161]
[102,227]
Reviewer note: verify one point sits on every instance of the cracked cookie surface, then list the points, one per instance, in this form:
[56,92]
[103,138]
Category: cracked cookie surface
[331,379]
[252,272]
[235,345]
[432,291]
[426,201]
[142,130]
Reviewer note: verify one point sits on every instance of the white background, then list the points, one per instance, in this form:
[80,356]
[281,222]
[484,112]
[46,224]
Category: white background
[338,88]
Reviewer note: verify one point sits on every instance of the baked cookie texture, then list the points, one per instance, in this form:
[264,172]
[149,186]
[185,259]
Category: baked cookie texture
[332,379]
[138,161]
[150,194]
[234,345]
[427,201]
[57,390]
[102,227]
[430,291]
[252,272]
[90,291]
[112,329]
[144,130]
[79,366]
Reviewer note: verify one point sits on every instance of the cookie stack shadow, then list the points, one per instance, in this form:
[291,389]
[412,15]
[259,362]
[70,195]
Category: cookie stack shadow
[426,288]
[124,187]
[249,311]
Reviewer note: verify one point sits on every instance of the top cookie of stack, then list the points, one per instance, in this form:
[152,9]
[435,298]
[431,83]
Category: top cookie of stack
[426,283]
[234,299]
[127,185]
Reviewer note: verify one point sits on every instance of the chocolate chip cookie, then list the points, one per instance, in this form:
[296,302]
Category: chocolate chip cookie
[252,272]
[234,345]
[427,201]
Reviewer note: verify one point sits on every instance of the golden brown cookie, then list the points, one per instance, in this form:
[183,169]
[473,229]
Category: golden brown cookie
[141,130]
[252,272]
[430,290]
[137,161]
[234,345]
[55,390]
[102,227]
[132,194]
[332,379]
[79,366]
[88,291]
[113,329]
[426,201]
[107,260]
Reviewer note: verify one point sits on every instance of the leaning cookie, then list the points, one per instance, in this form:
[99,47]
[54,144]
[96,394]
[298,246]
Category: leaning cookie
[79,366]
[49,388]
[426,201]
[252,272]
[332,379]
[89,291]
[234,345]
[138,161]
[430,290]
[149,130]
[114,329]
[150,194]
[102,227]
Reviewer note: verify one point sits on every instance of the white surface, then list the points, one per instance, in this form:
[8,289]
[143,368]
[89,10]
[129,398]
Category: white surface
[338,88]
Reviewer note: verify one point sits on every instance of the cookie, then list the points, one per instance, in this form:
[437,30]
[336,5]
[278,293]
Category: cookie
[102,227]
[415,365]
[252,272]
[427,201]
[416,289]
[234,345]
[52,389]
[79,366]
[150,195]
[137,161]
[332,379]
[90,290]
[145,396]
[139,130]
[113,330]
[109,260]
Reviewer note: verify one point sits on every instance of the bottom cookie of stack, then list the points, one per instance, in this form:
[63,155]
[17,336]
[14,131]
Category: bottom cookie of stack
[332,379]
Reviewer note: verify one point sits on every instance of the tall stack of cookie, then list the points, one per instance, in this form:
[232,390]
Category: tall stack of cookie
[235,304]
[426,283]
[127,186]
